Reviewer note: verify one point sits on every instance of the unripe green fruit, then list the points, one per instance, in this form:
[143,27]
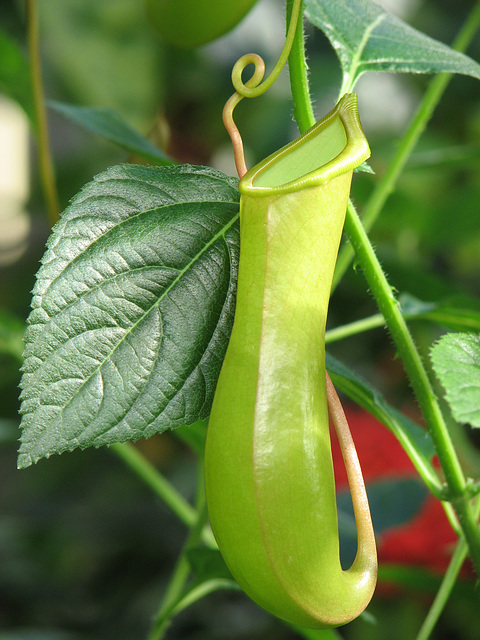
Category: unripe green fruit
[191,23]
[268,468]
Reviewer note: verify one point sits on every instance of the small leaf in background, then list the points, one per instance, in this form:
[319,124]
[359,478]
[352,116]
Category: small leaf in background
[367,38]
[457,313]
[107,124]
[132,309]
[456,361]
[444,156]
[208,563]
[15,75]
[364,168]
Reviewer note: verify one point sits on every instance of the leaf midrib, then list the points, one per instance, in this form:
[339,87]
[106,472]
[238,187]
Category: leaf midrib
[220,234]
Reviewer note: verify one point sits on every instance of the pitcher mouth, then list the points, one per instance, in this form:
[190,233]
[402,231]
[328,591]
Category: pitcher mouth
[333,146]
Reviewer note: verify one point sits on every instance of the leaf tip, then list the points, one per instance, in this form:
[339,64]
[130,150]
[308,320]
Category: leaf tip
[24,461]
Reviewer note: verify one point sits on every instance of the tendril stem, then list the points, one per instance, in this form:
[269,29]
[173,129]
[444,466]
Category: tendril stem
[254,86]
[366,554]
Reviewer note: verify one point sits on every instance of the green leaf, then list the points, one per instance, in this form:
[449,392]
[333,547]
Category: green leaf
[107,124]
[364,168]
[456,361]
[15,75]
[131,310]
[415,440]
[367,38]
[208,564]
[456,313]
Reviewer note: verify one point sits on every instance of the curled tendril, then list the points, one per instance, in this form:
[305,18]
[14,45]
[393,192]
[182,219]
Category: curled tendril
[254,86]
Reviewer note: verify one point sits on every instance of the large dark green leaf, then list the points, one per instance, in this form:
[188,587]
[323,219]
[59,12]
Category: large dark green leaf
[367,38]
[131,309]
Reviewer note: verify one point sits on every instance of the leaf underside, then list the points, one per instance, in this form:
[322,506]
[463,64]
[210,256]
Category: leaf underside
[131,310]
[109,125]
[456,361]
[367,38]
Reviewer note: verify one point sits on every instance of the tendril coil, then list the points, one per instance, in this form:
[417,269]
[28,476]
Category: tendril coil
[255,86]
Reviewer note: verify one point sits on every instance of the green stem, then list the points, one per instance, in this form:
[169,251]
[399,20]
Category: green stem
[182,569]
[202,590]
[430,100]
[350,80]
[154,479]
[354,328]
[448,582]
[297,64]
[451,516]
[44,153]
[420,382]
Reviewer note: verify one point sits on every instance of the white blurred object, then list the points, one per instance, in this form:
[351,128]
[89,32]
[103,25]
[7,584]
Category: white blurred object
[386,102]
[14,181]
[402,9]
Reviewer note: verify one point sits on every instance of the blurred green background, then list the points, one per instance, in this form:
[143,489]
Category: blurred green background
[85,548]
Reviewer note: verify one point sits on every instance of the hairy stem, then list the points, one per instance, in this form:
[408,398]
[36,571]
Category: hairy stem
[448,582]
[419,380]
[297,64]
[44,153]
[430,100]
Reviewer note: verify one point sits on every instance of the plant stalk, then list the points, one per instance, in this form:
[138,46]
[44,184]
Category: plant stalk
[182,568]
[44,153]
[297,63]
